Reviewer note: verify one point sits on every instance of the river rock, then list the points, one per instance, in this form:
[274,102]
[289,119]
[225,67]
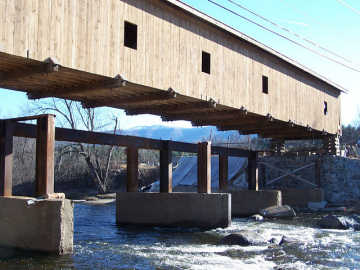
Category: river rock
[245,238]
[284,211]
[257,217]
[340,223]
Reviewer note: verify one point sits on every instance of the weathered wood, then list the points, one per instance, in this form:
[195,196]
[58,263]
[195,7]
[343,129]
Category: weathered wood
[6,157]
[132,169]
[252,172]
[204,167]
[70,135]
[45,146]
[223,171]
[318,171]
[166,168]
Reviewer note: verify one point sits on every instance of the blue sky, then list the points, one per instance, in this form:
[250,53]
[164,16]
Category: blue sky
[326,22]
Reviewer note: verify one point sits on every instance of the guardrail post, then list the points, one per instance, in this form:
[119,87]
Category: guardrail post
[223,171]
[204,167]
[166,168]
[6,157]
[253,177]
[45,146]
[132,169]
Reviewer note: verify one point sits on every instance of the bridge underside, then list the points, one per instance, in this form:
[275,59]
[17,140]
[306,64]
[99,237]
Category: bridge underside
[50,79]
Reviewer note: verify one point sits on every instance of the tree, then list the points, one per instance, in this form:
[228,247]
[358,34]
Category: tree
[71,114]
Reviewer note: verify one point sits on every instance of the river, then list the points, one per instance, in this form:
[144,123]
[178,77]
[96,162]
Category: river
[100,244]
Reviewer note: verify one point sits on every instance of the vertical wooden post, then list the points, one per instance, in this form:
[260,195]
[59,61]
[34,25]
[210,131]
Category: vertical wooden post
[6,157]
[204,167]
[318,171]
[45,145]
[223,171]
[132,169]
[166,168]
[253,177]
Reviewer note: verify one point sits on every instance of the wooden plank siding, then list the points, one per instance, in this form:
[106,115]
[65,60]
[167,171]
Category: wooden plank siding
[89,35]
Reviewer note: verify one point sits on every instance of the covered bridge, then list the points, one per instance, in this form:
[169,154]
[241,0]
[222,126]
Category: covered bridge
[172,61]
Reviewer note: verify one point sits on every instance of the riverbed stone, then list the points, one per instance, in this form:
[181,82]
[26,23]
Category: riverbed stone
[243,238]
[340,223]
[284,211]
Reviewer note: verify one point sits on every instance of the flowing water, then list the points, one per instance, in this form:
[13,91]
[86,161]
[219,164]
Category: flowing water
[100,244]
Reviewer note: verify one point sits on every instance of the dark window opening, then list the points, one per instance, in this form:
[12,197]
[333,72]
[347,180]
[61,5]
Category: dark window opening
[265,84]
[130,35]
[205,67]
[325,108]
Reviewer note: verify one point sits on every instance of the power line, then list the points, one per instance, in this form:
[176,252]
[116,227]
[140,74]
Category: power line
[342,2]
[286,38]
[291,32]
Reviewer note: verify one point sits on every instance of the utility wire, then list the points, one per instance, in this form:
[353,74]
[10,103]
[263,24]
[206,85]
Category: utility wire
[286,38]
[349,7]
[289,31]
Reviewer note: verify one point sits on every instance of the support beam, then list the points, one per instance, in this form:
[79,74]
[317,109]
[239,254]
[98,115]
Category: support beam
[252,172]
[6,157]
[45,146]
[223,171]
[204,167]
[166,168]
[48,66]
[84,89]
[132,169]
[144,99]
[318,172]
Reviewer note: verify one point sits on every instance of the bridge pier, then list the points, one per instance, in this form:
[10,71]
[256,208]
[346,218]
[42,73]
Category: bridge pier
[44,225]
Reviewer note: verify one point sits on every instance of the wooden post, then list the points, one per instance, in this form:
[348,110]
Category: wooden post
[223,171]
[45,145]
[253,177]
[166,168]
[204,167]
[6,157]
[318,171]
[132,169]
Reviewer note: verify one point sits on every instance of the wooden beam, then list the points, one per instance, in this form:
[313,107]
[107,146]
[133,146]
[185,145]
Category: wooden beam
[45,145]
[252,172]
[204,167]
[223,171]
[48,66]
[241,120]
[193,107]
[132,169]
[134,100]
[6,157]
[166,168]
[84,89]
[318,171]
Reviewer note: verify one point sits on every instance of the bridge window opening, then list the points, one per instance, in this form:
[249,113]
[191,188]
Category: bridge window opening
[206,62]
[325,108]
[130,35]
[265,84]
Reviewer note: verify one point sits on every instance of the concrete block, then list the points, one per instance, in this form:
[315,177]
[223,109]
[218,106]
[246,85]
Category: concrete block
[174,209]
[249,202]
[301,197]
[45,226]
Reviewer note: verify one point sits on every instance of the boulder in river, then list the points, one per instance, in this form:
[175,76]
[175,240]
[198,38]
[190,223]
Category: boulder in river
[284,211]
[244,238]
[340,223]
[257,217]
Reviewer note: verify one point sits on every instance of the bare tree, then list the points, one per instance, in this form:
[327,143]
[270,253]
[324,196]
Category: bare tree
[71,114]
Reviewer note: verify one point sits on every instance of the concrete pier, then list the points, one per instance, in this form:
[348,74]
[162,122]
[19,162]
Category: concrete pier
[46,226]
[249,202]
[301,197]
[174,209]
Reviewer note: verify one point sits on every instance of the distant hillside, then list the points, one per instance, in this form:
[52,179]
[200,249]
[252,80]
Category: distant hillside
[179,134]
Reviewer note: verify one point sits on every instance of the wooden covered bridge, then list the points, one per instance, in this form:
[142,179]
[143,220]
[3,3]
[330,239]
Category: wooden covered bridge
[158,57]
